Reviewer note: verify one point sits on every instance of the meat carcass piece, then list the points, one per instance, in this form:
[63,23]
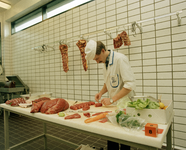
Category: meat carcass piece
[81,44]
[15,102]
[37,106]
[54,106]
[125,38]
[76,115]
[61,105]
[64,52]
[117,41]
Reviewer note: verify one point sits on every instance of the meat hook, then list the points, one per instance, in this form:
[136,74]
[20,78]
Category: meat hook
[109,34]
[63,42]
[178,18]
[44,48]
[86,39]
[134,24]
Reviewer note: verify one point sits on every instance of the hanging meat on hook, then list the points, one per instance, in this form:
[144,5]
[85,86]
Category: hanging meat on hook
[125,38]
[120,39]
[81,44]
[64,52]
[117,41]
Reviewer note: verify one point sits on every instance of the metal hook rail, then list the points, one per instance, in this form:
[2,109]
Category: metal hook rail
[44,48]
[63,42]
[133,25]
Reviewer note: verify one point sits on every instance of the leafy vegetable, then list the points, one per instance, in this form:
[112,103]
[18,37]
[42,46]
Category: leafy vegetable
[141,104]
[125,120]
[119,114]
[153,105]
[129,122]
[123,117]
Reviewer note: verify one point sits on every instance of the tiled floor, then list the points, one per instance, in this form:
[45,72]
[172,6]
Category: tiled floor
[22,128]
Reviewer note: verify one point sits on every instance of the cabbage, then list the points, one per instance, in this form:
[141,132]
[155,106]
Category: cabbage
[141,104]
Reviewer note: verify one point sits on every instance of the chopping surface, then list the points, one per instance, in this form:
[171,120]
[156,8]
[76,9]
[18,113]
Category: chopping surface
[105,129]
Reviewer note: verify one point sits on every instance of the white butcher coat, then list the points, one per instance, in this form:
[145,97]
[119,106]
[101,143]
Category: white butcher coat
[118,74]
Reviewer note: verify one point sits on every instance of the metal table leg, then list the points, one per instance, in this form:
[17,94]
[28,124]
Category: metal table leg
[6,129]
[169,138]
[45,138]
[8,98]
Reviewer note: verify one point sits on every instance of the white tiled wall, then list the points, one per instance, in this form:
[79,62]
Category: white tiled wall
[157,56]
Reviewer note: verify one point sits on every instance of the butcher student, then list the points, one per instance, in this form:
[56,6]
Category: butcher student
[119,78]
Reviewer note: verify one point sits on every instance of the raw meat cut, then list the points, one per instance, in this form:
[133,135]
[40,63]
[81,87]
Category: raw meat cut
[81,44]
[120,39]
[125,38]
[98,104]
[86,108]
[61,105]
[117,41]
[73,107]
[103,120]
[76,115]
[86,114]
[40,99]
[54,106]
[37,106]
[64,52]
[15,102]
[81,105]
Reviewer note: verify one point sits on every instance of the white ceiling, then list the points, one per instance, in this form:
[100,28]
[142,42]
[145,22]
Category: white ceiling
[11,2]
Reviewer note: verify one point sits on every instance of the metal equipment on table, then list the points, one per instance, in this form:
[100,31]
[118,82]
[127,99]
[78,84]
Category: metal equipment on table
[12,88]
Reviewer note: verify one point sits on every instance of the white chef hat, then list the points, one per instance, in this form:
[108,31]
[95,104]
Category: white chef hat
[90,50]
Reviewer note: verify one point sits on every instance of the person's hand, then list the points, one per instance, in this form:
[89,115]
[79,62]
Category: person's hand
[98,97]
[106,101]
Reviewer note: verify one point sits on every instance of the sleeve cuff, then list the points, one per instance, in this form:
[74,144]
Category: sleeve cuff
[130,85]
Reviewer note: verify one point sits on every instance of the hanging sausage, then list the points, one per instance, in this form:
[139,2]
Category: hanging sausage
[64,52]
[81,44]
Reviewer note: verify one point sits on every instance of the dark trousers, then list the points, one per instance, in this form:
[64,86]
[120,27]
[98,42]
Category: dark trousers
[115,146]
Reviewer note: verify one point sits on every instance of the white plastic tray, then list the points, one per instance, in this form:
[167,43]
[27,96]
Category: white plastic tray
[159,116]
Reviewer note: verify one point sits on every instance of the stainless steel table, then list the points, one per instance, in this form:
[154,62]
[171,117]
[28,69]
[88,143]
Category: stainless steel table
[106,131]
